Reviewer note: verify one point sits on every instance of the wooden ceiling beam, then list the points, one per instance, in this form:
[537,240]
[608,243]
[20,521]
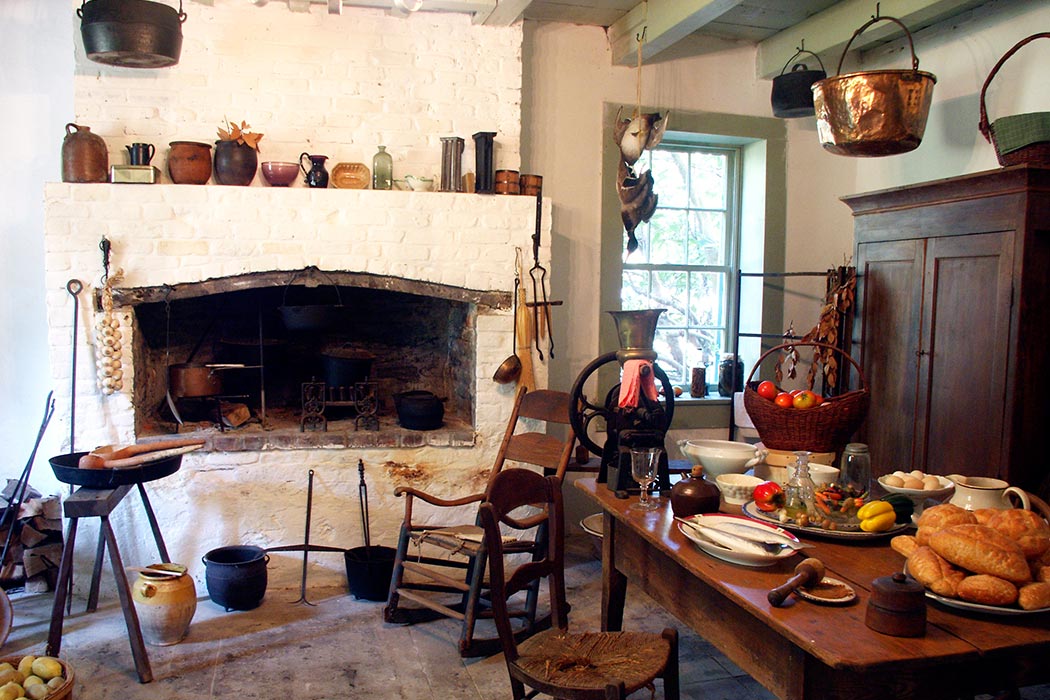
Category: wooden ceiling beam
[665,23]
[826,33]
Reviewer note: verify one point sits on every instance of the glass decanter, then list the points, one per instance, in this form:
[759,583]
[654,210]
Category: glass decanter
[799,498]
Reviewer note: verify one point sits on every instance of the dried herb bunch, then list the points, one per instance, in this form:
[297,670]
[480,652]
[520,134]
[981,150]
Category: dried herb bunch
[838,302]
[240,134]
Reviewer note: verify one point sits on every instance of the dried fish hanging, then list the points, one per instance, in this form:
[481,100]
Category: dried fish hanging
[109,353]
[633,136]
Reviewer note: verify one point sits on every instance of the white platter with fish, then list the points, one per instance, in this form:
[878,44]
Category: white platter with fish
[739,540]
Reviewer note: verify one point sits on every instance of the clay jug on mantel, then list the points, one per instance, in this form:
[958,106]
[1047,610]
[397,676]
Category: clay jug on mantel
[84,156]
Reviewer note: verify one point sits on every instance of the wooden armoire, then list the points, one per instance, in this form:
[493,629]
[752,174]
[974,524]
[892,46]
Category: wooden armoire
[953,303]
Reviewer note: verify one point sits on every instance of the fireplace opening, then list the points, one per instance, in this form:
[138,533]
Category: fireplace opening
[272,344]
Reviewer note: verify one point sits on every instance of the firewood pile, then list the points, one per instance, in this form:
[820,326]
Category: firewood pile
[35,547]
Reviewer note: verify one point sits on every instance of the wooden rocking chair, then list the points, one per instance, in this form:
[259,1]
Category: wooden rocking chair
[581,665]
[462,574]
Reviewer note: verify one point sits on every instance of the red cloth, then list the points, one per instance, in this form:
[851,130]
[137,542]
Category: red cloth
[633,383]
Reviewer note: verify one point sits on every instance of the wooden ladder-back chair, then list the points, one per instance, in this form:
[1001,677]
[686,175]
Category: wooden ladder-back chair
[578,665]
[434,579]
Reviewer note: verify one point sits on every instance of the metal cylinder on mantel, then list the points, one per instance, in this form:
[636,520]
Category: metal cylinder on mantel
[451,164]
[483,162]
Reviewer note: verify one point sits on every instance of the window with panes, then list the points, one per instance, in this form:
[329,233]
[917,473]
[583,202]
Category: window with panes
[686,255]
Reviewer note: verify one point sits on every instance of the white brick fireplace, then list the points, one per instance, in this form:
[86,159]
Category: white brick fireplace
[338,85]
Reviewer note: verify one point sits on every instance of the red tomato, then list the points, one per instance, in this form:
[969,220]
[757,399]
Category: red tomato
[819,399]
[804,399]
[768,390]
[794,392]
[783,399]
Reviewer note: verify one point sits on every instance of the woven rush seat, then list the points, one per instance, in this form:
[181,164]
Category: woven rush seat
[555,661]
[593,660]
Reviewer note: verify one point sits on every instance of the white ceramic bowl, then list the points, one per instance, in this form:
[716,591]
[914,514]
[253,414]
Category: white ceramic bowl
[821,474]
[737,489]
[719,457]
[920,496]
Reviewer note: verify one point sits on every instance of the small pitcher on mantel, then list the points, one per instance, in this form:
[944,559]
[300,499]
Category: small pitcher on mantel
[317,175]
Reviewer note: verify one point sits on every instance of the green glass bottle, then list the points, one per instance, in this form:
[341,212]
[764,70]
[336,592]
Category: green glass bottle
[382,170]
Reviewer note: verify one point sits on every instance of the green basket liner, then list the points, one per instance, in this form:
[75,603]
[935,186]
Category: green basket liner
[1019,130]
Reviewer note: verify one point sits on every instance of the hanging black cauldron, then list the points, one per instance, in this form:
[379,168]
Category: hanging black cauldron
[791,96]
[131,33]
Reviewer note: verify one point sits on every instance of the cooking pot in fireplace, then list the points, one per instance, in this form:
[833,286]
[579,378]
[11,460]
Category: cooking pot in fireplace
[346,366]
[419,410]
[193,379]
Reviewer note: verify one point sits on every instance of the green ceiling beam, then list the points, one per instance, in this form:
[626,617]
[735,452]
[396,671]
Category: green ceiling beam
[665,23]
[502,14]
[826,33]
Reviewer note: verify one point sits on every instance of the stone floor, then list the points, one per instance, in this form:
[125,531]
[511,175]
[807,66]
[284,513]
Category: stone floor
[337,648]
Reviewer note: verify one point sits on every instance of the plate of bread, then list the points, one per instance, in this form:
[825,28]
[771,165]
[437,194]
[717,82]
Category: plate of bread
[986,560]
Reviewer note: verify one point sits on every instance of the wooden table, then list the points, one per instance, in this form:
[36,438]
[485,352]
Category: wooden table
[802,650]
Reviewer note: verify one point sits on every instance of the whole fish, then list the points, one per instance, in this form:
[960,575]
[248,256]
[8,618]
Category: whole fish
[755,534]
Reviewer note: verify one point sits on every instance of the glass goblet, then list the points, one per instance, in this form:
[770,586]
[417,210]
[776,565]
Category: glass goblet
[644,461]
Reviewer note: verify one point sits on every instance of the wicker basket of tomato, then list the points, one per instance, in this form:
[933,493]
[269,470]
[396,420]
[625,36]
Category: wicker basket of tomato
[817,424]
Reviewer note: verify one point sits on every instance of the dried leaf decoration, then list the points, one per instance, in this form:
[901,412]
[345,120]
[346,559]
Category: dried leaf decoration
[240,134]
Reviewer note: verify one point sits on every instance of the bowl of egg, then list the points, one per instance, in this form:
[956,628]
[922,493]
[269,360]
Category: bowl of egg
[919,487]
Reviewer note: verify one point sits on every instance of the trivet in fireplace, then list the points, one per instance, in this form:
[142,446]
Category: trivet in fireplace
[313,397]
[366,403]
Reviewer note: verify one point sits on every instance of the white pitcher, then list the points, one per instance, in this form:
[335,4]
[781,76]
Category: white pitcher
[973,492]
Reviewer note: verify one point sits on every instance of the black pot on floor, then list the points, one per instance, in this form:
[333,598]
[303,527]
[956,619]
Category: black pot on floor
[368,571]
[236,576]
[235,163]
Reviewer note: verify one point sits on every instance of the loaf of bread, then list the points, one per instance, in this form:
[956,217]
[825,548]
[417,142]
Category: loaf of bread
[1023,527]
[982,550]
[983,515]
[1034,596]
[987,590]
[904,544]
[939,517]
[932,571]
[1040,572]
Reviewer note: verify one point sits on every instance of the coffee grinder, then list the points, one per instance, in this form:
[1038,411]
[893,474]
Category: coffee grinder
[633,413]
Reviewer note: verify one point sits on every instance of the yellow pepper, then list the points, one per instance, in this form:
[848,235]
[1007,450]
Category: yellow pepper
[869,510]
[880,522]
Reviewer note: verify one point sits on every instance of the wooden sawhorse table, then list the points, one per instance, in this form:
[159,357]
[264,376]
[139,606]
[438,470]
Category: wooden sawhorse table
[99,503]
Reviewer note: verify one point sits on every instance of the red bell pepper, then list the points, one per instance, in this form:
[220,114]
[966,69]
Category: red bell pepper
[769,496]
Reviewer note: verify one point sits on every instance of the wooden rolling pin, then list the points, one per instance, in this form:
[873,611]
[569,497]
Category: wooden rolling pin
[100,456]
[809,572]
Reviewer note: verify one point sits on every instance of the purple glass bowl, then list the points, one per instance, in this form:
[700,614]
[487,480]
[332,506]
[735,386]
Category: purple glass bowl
[279,174]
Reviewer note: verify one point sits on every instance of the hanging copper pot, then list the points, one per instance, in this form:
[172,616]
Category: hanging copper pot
[873,113]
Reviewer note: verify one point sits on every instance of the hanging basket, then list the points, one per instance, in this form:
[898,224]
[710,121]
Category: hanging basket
[824,428]
[1019,138]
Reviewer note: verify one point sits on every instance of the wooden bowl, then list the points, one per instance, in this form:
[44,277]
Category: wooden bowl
[62,692]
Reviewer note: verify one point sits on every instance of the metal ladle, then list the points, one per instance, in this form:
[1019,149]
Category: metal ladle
[510,369]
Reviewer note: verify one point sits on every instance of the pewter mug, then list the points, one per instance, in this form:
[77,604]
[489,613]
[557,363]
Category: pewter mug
[140,153]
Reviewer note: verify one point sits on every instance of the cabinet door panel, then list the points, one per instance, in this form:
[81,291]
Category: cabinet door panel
[889,279]
[962,378]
